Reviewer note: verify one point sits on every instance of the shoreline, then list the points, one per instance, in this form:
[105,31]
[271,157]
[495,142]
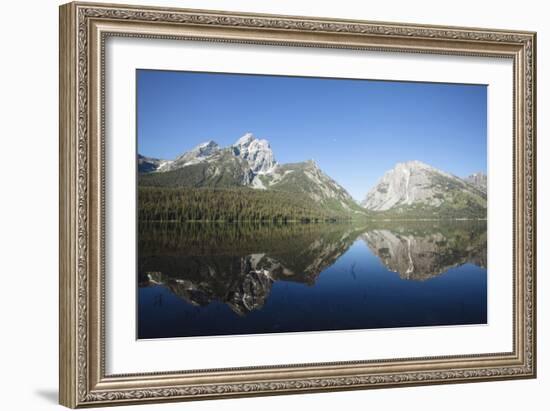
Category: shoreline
[386,220]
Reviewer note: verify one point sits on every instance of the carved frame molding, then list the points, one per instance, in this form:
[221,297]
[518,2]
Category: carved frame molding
[84,27]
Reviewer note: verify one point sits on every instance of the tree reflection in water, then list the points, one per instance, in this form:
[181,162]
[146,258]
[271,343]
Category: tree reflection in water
[237,264]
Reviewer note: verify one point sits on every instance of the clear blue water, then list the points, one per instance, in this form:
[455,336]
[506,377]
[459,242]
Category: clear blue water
[311,279]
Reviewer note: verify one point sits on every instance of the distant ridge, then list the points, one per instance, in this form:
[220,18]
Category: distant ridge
[412,189]
[417,189]
[249,162]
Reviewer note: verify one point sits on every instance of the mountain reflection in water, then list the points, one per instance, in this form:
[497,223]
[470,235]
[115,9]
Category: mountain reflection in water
[420,255]
[207,266]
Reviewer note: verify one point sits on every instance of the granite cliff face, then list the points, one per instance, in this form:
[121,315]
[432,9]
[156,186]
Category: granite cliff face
[478,180]
[418,189]
[257,153]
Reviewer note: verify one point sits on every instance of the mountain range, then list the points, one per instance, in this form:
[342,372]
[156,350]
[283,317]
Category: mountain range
[410,190]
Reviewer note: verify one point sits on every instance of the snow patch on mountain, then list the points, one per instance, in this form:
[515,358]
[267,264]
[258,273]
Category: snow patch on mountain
[258,184]
[163,164]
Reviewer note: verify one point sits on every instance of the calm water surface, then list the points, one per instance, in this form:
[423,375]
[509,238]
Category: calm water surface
[222,279]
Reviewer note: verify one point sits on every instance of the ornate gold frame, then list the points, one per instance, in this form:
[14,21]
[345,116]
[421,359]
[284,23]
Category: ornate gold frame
[83,30]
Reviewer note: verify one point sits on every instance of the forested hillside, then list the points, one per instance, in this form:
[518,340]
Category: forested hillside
[230,205]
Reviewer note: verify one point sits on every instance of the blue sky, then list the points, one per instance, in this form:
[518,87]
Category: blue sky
[355,130]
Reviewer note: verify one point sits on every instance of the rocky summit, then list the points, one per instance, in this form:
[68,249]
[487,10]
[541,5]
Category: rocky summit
[411,189]
[478,180]
[256,152]
[149,164]
[419,189]
[198,154]
[249,162]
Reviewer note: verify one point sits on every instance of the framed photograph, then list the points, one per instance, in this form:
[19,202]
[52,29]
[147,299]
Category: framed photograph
[259,204]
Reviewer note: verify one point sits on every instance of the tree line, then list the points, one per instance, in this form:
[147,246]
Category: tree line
[229,205]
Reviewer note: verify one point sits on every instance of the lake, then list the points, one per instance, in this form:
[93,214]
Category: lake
[208,279]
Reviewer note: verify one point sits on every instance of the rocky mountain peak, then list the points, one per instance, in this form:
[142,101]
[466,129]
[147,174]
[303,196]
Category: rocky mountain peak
[205,149]
[256,152]
[207,145]
[418,167]
[311,164]
[412,183]
[478,180]
[197,154]
[149,164]
[413,165]
[245,140]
